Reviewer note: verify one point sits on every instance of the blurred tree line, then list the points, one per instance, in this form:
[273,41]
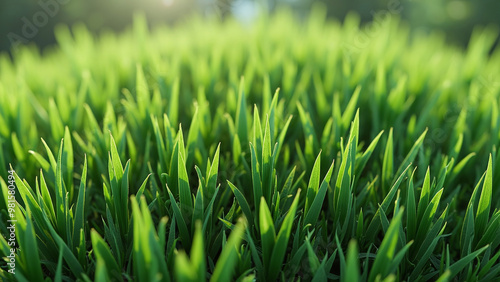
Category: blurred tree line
[33,21]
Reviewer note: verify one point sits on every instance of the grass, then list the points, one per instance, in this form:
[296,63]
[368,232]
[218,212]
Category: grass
[212,151]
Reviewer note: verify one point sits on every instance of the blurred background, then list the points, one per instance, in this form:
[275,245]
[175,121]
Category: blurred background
[33,21]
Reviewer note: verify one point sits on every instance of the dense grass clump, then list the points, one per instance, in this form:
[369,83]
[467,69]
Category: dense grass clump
[277,151]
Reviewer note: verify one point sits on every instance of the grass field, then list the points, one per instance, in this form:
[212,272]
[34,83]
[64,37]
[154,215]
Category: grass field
[285,151]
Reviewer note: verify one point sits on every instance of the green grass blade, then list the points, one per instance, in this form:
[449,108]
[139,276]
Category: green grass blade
[463,262]
[267,232]
[280,248]
[80,207]
[483,209]
[185,198]
[352,263]
[224,267]
[388,164]
[241,114]
[103,252]
[245,207]
[312,214]
[312,188]
[181,223]
[387,250]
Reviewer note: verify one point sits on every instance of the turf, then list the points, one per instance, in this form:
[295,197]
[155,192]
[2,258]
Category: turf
[286,150]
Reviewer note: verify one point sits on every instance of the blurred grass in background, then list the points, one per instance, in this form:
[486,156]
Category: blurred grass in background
[33,21]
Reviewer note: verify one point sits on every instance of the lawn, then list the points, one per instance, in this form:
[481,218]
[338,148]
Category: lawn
[287,150]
